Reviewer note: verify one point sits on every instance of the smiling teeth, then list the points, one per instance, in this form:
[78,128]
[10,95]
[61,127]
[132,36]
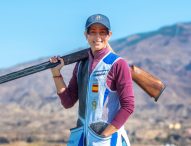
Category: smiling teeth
[97,41]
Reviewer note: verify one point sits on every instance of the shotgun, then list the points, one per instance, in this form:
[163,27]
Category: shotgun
[149,83]
[152,85]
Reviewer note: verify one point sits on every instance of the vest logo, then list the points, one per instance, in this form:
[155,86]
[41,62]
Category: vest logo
[100,72]
[94,105]
[95,88]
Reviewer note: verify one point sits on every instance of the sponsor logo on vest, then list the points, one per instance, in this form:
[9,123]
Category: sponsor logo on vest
[95,88]
[100,72]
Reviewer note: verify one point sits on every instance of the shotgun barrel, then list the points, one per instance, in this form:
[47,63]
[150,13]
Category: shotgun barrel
[152,85]
[68,59]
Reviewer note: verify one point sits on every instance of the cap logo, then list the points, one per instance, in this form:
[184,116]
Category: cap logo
[98,18]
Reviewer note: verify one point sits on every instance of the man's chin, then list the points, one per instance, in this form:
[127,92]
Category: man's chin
[98,47]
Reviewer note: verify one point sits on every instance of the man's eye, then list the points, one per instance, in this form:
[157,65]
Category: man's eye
[92,32]
[103,32]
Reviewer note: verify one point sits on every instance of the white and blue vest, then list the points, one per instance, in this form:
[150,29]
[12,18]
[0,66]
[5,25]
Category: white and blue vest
[97,103]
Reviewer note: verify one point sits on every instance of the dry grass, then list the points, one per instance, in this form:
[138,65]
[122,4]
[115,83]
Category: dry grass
[32,144]
[48,144]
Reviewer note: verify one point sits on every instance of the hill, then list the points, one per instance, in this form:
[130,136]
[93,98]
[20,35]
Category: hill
[31,110]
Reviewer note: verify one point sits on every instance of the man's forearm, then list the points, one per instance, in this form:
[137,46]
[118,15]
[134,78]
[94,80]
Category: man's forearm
[59,82]
[60,85]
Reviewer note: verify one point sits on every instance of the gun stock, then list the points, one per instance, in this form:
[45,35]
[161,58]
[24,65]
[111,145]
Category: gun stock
[149,83]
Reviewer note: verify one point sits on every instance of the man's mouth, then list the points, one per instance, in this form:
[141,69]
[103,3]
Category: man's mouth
[98,41]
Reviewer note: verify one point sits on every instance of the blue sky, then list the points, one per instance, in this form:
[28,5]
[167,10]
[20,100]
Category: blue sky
[31,29]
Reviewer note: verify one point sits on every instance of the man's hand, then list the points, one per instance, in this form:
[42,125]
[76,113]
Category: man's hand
[109,130]
[56,70]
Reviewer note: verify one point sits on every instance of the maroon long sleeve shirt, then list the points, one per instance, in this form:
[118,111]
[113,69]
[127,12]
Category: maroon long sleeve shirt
[118,79]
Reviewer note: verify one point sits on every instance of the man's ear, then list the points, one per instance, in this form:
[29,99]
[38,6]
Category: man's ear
[110,33]
[85,34]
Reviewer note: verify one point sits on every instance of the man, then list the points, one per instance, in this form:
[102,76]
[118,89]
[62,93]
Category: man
[103,86]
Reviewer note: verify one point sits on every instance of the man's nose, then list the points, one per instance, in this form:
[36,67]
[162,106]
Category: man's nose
[98,34]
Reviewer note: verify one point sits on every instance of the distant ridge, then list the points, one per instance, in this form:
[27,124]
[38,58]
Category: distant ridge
[165,53]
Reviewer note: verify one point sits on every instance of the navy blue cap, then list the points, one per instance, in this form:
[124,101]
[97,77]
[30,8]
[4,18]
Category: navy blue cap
[98,18]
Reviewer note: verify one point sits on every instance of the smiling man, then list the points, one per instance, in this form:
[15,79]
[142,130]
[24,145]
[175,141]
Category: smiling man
[103,86]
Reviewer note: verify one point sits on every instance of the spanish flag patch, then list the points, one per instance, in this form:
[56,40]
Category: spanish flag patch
[95,88]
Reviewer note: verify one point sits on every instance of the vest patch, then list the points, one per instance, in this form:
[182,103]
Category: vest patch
[100,72]
[95,88]
[94,105]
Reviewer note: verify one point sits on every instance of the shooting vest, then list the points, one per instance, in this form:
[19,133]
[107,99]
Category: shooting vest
[97,104]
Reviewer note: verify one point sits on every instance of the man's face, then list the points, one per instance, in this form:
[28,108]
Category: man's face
[98,36]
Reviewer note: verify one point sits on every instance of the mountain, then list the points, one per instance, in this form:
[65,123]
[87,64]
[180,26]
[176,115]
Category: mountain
[32,103]
[165,53]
